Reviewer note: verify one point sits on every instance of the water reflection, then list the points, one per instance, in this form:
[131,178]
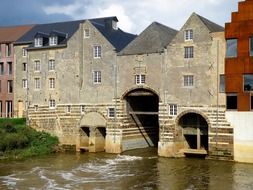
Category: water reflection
[139,169]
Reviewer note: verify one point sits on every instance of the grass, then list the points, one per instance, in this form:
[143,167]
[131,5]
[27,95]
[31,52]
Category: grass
[17,141]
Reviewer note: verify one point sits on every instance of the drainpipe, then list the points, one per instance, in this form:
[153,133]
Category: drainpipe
[27,89]
[115,94]
[217,90]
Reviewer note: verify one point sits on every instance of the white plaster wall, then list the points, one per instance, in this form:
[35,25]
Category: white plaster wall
[243,135]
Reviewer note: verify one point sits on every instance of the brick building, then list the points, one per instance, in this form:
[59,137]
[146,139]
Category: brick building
[8,35]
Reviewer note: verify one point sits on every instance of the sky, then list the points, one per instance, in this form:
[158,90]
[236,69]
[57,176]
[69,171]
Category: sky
[133,15]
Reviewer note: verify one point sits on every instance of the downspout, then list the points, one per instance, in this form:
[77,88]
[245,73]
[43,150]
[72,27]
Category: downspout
[115,94]
[217,89]
[27,90]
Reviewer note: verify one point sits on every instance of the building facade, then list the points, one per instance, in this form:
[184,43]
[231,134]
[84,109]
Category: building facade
[239,79]
[8,35]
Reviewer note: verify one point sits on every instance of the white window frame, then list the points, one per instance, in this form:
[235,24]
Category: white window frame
[52,104]
[188,52]
[51,65]
[24,83]
[97,51]
[111,112]
[10,86]
[38,42]
[188,80]
[82,109]
[173,109]
[53,40]
[51,84]
[24,52]
[188,35]
[37,66]
[68,109]
[86,33]
[97,77]
[37,83]
[36,108]
[140,79]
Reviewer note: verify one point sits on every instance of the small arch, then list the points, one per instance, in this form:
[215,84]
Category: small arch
[192,130]
[93,119]
[179,116]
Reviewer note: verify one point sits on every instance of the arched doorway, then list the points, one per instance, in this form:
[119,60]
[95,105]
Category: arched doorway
[194,130]
[142,107]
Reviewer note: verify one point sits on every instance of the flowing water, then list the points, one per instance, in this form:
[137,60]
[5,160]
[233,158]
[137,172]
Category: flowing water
[138,169]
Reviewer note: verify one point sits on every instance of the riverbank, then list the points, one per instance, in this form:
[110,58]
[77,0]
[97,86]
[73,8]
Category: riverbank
[19,141]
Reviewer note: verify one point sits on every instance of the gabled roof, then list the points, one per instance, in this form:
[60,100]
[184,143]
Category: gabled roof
[117,38]
[212,27]
[152,40]
[13,33]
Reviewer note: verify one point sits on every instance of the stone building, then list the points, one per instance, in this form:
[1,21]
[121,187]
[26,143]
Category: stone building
[101,89]
[8,35]
[239,79]
[194,104]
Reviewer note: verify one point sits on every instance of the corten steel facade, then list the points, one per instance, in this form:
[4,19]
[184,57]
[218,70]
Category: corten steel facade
[240,29]
[8,35]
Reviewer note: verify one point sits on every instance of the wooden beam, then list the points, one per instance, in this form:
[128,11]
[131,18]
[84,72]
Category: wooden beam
[143,113]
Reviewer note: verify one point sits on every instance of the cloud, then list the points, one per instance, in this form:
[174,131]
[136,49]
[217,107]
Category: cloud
[134,15]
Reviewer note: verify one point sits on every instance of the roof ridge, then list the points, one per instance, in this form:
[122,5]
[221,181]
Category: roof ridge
[212,26]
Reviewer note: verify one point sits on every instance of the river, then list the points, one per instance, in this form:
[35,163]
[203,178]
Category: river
[138,169]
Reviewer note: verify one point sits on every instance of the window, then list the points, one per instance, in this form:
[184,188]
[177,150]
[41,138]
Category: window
[140,79]
[222,83]
[51,65]
[35,108]
[24,52]
[24,67]
[188,52]
[173,109]
[37,65]
[0,50]
[53,40]
[68,109]
[188,80]
[82,109]
[9,68]
[52,104]
[111,112]
[86,33]
[1,68]
[97,51]
[231,48]
[188,35]
[52,83]
[8,50]
[24,83]
[38,42]
[231,101]
[97,77]
[0,86]
[37,83]
[251,46]
[251,102]
[248,82]
[1,108]
[114,25]
[10,86]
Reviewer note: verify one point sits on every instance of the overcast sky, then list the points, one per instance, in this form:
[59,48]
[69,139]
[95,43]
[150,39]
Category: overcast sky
[134,15]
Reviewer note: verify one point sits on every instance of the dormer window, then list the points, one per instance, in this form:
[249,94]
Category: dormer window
[53,40]
[114,25]
[38,42]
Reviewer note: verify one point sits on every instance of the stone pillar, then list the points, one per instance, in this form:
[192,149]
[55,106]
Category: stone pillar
[113,142]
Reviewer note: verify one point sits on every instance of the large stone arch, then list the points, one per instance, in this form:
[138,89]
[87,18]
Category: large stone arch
[145,88]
